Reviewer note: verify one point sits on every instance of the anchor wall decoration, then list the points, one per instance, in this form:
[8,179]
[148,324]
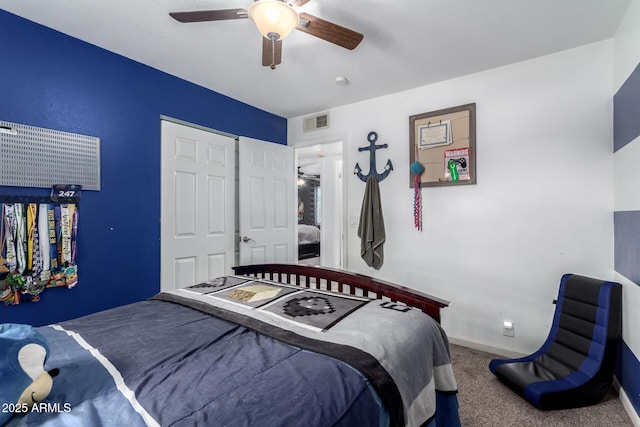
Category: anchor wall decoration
[372,137]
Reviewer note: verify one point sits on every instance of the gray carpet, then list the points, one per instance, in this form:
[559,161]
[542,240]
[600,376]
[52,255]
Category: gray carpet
[484,401]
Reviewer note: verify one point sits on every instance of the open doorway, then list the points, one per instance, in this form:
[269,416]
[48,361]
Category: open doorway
[320,204]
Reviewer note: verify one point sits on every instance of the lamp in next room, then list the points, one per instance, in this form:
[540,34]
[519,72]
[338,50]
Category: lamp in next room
[274,18]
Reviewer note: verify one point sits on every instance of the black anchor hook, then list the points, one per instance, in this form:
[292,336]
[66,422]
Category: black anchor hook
[372,137]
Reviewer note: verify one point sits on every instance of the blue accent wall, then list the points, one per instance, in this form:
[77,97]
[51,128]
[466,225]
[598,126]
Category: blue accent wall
[626,124]
[627,244]
[626,107]
[628,373]
[51,80]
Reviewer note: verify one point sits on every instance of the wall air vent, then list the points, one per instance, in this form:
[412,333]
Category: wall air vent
[311,123]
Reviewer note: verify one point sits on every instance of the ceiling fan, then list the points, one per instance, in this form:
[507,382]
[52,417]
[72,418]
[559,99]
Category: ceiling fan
[275,19]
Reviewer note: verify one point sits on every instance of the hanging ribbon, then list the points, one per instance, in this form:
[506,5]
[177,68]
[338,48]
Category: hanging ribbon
[10,226]
[43,234]
[6,292]
[3,262]
[39,242]
[20,237]
[31,234]
[65,236]
[57,210]
[417,204]
[71,270]
[74,235]
[53,238]
[417,169]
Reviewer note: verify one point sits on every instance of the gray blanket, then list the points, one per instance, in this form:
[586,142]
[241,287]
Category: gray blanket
[371,228]
[406,354]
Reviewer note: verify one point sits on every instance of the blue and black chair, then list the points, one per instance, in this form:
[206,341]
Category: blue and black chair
[574,367]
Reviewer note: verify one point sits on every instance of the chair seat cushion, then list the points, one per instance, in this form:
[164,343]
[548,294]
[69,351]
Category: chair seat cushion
[520,375]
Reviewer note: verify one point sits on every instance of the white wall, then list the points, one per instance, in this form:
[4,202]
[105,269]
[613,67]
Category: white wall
[627,45]
[542,206]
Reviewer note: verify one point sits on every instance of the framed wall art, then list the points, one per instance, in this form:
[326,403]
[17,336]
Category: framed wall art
[444,143]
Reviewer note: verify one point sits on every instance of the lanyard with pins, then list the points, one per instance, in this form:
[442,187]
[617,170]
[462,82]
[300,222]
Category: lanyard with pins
[65,236]
[43,236]
[10,236]
[31,231]
[3,262]
[20,237]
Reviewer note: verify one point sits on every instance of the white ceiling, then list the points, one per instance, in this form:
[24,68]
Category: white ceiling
[407,43]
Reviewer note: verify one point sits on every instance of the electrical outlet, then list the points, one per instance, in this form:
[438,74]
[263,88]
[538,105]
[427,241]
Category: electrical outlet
[507,328]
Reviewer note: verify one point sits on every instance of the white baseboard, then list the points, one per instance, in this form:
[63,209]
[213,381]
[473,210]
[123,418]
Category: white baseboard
[486,348]
[627,405]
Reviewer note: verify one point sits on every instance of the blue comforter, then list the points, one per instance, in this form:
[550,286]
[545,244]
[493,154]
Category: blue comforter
[164,363]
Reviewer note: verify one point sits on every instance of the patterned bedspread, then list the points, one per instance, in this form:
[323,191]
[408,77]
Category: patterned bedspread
[401,350]
[235,352]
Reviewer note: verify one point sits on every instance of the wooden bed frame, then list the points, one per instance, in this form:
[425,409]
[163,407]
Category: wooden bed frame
[344,282]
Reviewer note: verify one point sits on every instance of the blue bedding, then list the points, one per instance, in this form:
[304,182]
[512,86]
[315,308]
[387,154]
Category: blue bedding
[165,363]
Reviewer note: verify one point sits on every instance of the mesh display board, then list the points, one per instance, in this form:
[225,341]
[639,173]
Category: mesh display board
[37,157]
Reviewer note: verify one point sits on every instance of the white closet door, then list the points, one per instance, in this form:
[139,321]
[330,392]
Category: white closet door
[198,205]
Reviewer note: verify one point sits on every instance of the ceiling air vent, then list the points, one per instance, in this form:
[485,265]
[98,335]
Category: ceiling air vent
[321,121]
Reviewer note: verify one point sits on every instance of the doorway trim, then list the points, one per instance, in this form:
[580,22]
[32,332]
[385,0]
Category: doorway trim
[197,126]
[342,140]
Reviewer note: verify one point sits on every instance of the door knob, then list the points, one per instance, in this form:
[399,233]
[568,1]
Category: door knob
[247,239]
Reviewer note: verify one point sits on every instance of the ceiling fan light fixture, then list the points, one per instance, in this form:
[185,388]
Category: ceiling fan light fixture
[275,19]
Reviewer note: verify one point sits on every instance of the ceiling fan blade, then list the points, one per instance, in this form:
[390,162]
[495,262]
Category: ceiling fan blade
[328,31]
[209,15]
[300,2]
[271,51]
